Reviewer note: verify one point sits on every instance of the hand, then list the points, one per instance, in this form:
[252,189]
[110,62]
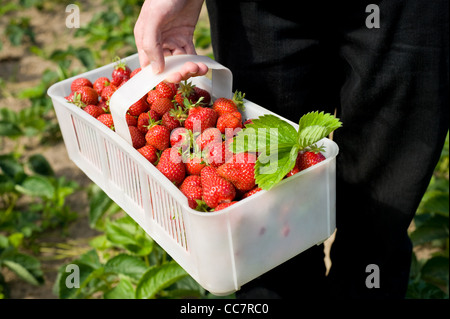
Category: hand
[166,27]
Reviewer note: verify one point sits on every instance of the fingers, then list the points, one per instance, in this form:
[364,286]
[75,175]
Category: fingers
[152,51]
[148,39]
[188,70]
[156,38]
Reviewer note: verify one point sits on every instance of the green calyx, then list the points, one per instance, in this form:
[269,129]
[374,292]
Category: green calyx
[189,105]
[186,88]
[201,206]
[178,113]
[76,99]
[120,64]
[238,99]
[151,123]
[278,143]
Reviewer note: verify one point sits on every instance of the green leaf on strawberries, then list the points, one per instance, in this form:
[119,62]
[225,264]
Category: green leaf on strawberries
[314,126]
[279,143]
[265,132]
[285,132]
[271,169]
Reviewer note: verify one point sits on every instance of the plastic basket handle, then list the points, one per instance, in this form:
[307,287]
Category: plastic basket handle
[145,80]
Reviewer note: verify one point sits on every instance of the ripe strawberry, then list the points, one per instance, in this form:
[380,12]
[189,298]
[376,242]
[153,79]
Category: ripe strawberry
[173,169]
[202,93]
[174,118]
[108,91]
[185,91]
[308,159]
[162,105]
[139,107]
[158,136]
[107,120]
[135,71]
[224,205]
[78,83]
[200,118]
[94,110]
[131,120]
[104,106]
[210,135]
[215,154]
[293,171]
[142,122]
[69,97]
[152,96]
[215,189]
[149,152]
[153,115]
[227,149]
[207,173]
[251,192]
[223,105]
[100,84]
[137,138]
[164,90]
[169,121]
[239,170]
[144,118]
[231,120]
[194,164]
[173,86]
[120,73]
[192,189]
[86,94]
[180,137]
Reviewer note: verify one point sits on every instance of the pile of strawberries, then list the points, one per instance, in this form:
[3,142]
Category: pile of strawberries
[186,135]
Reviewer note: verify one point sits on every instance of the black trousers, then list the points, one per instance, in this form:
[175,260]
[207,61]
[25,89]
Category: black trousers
[390,88]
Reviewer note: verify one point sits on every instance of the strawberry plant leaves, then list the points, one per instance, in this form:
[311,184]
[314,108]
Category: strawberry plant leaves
[271,169]
[264,133]
[435,202]
[6,184]
[39,164]
[433,227]
[86,57]
[435,270]
[21,271]
[99,204]
[63,286]
[127,265]
[26,267]
[279,143]
[123,290]
[284,132]
[126,233]
[314,126]
[91,259]
[157,278]
[11,167]
[38,186]
[10,129]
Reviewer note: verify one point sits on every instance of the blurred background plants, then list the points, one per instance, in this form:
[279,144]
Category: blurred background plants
[429,276]
[121,261]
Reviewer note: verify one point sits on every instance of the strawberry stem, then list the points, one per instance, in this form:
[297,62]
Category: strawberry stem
[120,64]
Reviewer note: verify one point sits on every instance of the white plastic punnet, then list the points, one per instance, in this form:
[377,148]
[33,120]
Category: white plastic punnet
[221,250]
